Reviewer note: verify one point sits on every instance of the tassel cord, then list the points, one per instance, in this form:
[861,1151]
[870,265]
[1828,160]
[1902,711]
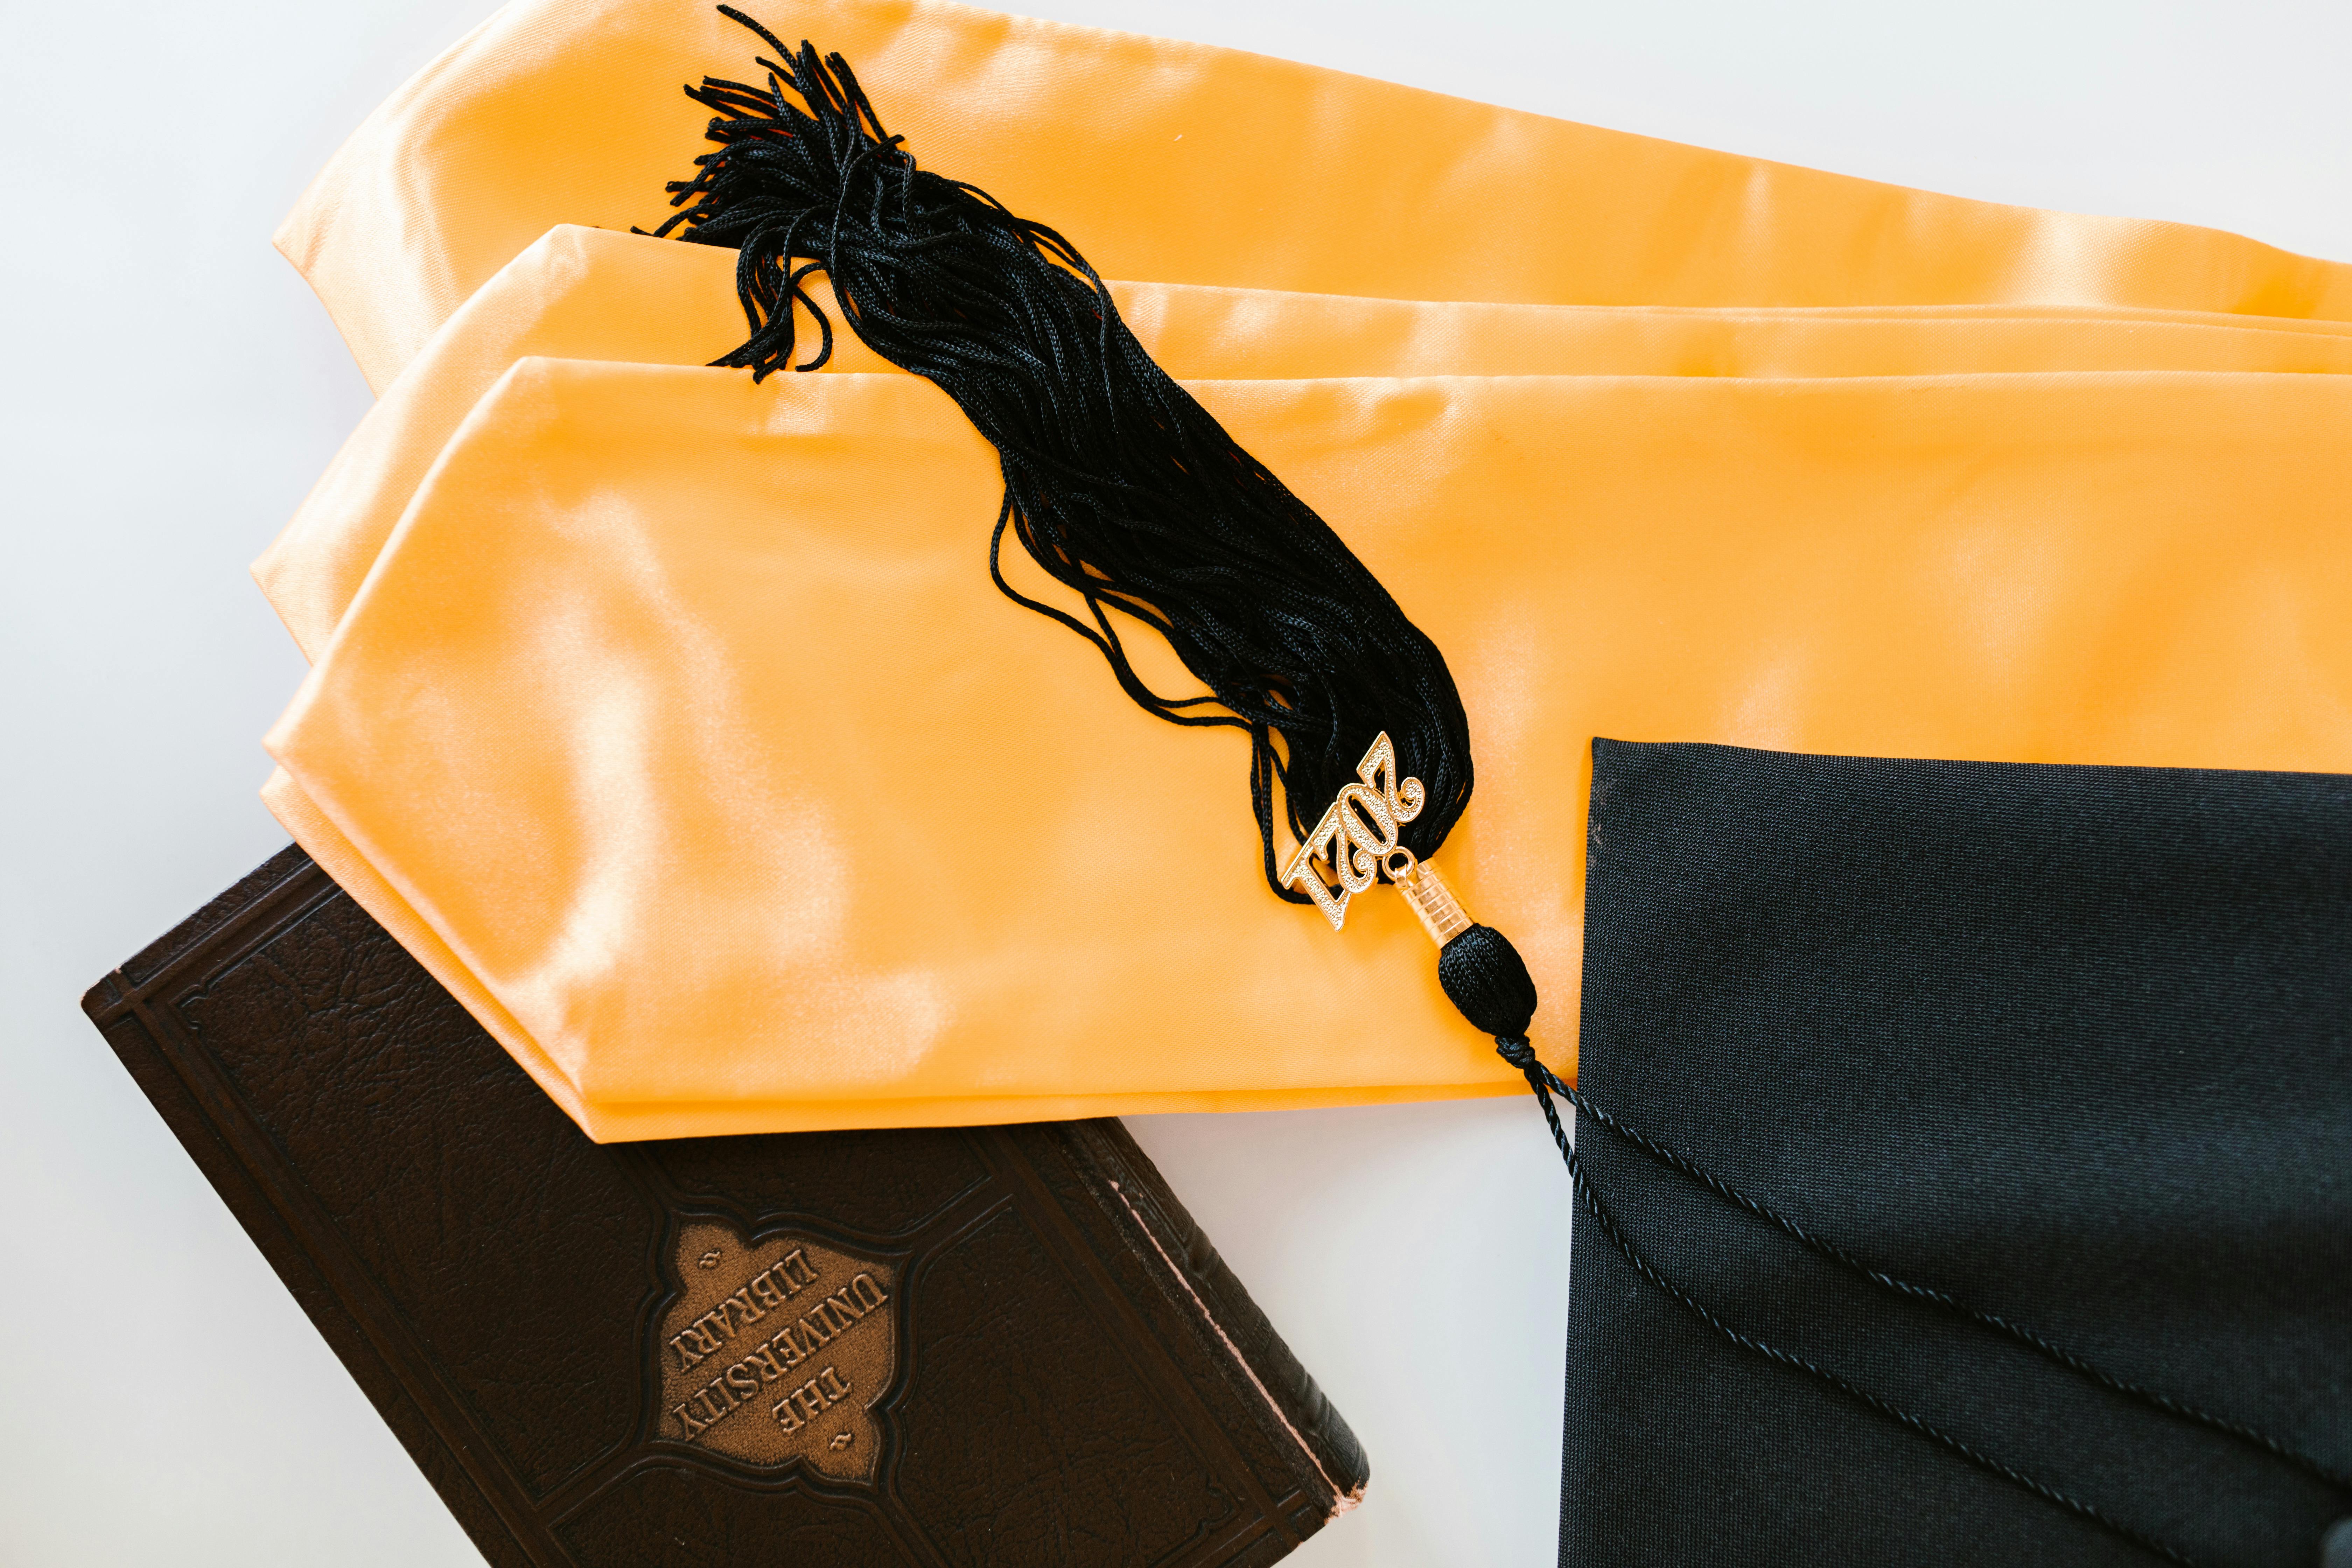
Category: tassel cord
[1117,483]
[1545,1083]
[1484,976]
[1539,1078]
[1543,1080]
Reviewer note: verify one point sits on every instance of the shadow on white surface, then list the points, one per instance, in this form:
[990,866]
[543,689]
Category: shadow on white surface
[1416,1259]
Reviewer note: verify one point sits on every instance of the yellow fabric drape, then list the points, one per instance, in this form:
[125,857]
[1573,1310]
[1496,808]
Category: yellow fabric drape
[677,728]
[1184,163]
[580,293]
[755,807]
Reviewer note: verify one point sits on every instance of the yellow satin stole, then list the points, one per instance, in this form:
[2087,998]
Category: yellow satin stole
[674,724]
[1184,163]
[592,294]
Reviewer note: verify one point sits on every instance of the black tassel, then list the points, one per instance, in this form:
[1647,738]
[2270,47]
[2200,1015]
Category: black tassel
[1119,484]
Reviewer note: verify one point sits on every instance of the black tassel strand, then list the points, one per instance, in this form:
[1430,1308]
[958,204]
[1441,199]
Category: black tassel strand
[1117,483]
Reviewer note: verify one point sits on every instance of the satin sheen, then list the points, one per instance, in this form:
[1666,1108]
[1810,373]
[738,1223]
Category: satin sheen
[674,724]
[753,805]
[582,293]
[1183,164]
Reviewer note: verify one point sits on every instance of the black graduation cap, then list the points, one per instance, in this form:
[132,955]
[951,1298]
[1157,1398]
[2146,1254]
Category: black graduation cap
[2063,1052]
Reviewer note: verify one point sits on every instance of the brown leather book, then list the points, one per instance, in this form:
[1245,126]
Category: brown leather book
[1003,1345]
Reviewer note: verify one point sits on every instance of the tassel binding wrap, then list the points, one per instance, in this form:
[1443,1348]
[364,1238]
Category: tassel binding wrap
[1484,976]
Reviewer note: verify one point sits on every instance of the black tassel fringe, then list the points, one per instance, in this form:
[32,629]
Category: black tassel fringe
[1117,483]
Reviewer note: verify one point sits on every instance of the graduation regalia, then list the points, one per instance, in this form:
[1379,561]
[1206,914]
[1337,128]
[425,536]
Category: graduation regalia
[668,716]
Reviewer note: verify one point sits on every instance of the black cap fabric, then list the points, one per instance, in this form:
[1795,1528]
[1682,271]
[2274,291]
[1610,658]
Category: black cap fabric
[2073,1044]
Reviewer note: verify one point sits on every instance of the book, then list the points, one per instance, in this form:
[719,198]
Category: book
[939,1347]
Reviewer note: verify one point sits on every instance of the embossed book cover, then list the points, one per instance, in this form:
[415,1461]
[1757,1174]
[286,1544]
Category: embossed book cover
[961,1346]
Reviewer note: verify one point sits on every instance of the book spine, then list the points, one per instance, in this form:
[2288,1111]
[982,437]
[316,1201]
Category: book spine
[1295,1405]
[133,1008]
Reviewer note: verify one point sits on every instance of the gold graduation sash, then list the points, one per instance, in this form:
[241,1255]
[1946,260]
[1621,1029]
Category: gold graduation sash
[1656,442]
[602,718]
[1178,163]
[582,293]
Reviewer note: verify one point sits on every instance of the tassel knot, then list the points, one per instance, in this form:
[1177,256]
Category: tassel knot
[1518,1053]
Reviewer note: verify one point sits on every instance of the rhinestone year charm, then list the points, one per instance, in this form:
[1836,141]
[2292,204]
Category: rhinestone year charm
[1356,840]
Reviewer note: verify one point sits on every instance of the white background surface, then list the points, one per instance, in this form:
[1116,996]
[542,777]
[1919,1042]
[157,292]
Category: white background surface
[171,390]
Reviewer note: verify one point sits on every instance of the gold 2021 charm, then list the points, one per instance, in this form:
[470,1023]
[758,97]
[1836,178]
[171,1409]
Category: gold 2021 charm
[1357,840]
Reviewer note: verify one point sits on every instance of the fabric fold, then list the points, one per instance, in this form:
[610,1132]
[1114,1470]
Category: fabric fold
[681,712]
[589,294]
[1181,162]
